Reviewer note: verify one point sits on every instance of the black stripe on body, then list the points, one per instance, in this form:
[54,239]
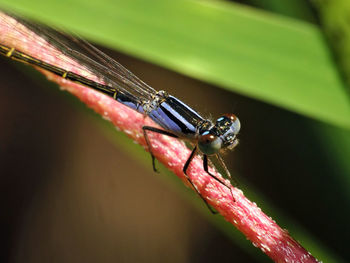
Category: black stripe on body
[184,128]
[175,116]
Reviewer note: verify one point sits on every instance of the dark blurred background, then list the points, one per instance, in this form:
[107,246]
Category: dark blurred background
[69,193]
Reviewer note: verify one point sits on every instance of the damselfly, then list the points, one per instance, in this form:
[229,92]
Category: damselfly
[174,117]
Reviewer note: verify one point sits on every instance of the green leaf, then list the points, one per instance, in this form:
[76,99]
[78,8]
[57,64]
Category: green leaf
[275,59]
[293,8]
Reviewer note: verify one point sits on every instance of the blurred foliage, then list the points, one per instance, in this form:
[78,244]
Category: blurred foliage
[299,9]
[276,59]
[335,20]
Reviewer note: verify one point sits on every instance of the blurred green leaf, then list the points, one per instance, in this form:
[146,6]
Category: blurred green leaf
[294,8]
[276,59]
[334,17]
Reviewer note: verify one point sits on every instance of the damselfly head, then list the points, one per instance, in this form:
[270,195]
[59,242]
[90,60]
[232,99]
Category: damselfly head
[221,135]
[228,127]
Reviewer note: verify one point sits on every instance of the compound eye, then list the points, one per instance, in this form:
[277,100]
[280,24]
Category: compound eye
[236,124]
[231,116]
[209,144]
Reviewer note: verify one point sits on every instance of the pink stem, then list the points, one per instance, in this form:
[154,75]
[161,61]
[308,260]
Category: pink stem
[259,228]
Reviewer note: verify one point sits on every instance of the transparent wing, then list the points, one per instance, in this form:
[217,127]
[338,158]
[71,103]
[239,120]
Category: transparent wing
[107,60]
[78,53]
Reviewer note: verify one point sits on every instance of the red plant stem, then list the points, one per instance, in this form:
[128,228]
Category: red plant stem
[260,229]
